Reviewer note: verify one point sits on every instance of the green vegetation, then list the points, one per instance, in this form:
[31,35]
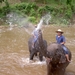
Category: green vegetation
[1,1]
[62,11]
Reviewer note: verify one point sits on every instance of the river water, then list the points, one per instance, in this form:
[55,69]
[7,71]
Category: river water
[14,53]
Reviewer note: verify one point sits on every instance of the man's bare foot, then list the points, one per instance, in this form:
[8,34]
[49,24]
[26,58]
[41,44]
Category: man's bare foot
[69,61]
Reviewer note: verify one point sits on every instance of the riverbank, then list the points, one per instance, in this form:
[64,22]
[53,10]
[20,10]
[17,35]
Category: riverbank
[60,13]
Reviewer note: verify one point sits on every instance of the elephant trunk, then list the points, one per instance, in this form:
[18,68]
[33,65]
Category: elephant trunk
[43,45]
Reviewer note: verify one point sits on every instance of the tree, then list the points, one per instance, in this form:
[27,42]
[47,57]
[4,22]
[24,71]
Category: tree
[1,1]
[6,2]
[69,2]
[6,8]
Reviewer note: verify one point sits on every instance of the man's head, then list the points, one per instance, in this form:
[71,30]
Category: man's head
[59,32]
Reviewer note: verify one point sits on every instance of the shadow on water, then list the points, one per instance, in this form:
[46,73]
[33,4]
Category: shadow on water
[14,54]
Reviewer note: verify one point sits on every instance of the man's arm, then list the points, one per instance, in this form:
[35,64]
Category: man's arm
[63,41]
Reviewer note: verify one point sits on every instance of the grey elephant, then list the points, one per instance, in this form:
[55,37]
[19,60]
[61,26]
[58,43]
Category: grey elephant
[37,48]
[57,63]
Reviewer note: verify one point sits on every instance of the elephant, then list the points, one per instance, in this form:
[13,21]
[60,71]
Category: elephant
[57,63]
[37,48]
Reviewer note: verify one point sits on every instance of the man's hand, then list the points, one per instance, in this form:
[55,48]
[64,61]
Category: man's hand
[62,43]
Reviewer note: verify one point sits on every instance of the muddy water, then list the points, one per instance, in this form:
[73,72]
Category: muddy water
[14,54]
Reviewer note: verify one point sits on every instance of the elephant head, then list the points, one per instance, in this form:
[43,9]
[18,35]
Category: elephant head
[55,51]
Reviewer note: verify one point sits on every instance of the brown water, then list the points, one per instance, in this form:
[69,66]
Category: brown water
[14,54]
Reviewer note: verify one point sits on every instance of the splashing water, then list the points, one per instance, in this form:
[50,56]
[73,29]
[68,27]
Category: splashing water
[45,19]
[19,20]
[39,24]
[26,61]
[22,21]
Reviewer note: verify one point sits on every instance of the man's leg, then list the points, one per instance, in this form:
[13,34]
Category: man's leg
[34,40]
[67,57]
[66,53]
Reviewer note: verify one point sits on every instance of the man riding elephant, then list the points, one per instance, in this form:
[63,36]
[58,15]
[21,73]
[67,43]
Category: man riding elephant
[58,55]
[61,40]
[35,45]
[35,36]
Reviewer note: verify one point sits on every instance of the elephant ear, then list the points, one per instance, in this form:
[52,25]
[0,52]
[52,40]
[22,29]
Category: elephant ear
[62,55]
[62,59]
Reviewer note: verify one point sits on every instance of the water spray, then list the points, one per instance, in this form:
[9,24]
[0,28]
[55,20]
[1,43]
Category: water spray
[45,19]
[22,21]
[39,24]
[19,20]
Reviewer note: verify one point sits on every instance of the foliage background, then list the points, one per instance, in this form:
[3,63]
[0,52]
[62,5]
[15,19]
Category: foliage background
[62,11]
